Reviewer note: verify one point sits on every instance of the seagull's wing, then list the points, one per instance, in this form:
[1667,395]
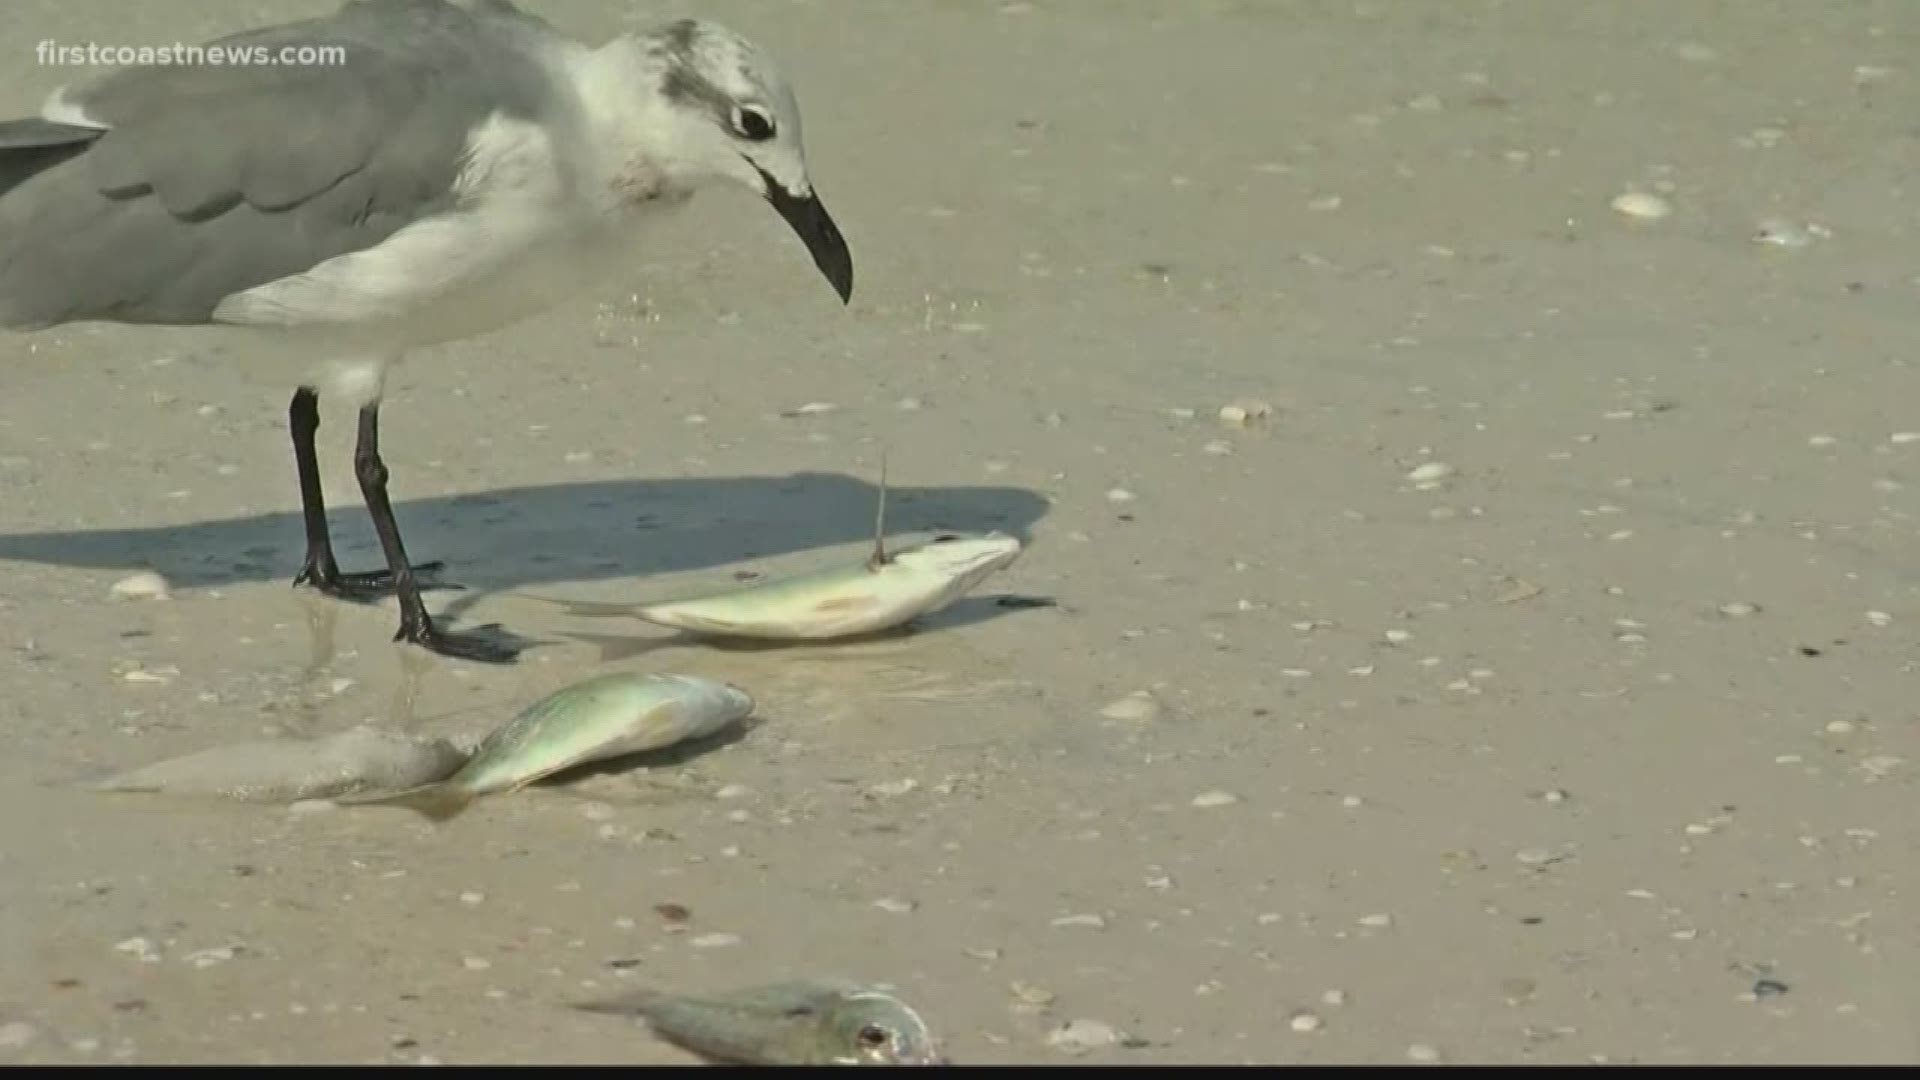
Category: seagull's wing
[151,194]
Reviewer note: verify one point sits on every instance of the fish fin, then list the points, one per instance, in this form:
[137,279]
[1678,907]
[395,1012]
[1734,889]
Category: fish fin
[435,802]
[844,604]
[879,558]
[633,1005]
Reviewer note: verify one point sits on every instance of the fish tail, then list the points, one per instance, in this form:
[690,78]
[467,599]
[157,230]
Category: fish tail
[435,802]
[586,609]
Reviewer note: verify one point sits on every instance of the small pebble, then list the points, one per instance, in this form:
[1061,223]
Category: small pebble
[1244,412]
[894,787]
[472,898]
[733,791]
[908,404]
[1217,448]
[715,941]
[1738,609]
[1377,922]
[1084,1036]
[1120,495]
[1094,922]
[1841,727]
[1335,998]
[894,905]
[1431,472]
[1881,766]
[1902,438]
[1139,705]
[1304,1022]
[1779,232]
[1399,637]
[1030,994]
[1517,591]
[476,963]
[1422,1053]
[144,585]
[815,408]
[1209,799]
[1642,205]
[1879,618]
[206,958]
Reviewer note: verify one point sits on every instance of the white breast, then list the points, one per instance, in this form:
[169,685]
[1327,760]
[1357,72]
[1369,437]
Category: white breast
[514,243]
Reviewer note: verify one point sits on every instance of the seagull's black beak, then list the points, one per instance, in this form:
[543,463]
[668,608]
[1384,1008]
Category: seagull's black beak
[817,230]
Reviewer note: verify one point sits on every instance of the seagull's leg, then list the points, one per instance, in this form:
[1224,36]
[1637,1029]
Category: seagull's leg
[415,626]
[320,570]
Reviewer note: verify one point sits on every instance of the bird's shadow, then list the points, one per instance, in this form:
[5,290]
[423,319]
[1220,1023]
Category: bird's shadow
[511,538]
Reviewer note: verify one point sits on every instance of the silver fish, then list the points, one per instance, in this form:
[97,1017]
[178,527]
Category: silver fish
[844,601]
[360,759]
[804,1022]
[883,592]
[606,716]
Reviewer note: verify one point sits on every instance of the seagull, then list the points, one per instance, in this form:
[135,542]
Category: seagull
[458,169]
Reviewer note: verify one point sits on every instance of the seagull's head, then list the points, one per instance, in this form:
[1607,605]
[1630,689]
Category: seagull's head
[731,116]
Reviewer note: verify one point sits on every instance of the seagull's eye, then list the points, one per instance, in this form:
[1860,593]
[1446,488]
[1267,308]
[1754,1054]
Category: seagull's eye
[752,124]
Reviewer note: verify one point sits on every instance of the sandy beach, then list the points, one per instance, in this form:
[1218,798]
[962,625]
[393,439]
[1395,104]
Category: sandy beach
[1533,683]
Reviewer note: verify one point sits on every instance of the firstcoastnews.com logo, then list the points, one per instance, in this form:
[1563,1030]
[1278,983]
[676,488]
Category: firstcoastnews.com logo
[92,54]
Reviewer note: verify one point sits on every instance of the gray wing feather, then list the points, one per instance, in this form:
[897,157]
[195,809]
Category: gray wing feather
[38,134]
[215,179]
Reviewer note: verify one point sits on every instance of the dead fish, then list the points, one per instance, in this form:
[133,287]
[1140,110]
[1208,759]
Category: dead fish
[360,759]
[806,1022]
[606,716]
[884,591]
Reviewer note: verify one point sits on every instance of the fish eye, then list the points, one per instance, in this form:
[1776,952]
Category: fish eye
[752,123]
[875,1036]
